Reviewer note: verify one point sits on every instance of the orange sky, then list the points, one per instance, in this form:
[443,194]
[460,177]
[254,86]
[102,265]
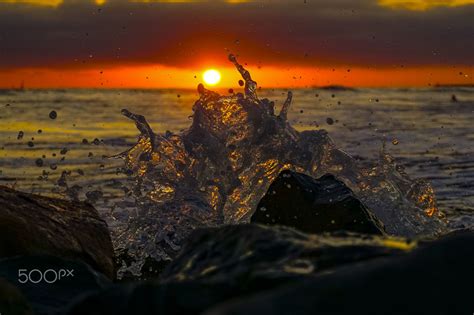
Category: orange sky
[168,77]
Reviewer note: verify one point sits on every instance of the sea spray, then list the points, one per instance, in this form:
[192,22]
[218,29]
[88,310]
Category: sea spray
[216,171]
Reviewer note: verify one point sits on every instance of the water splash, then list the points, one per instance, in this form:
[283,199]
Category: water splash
[217,171]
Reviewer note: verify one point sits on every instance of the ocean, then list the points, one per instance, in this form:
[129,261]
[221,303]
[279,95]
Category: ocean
[47,133]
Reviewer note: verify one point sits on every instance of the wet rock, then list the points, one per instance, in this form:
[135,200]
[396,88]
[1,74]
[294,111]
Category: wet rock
[433,279]
[12,302]
[314,206]
[47,289]
[219,264]
[37,225]
[251,252]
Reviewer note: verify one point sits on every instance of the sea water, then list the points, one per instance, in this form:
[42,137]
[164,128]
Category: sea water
[62,143]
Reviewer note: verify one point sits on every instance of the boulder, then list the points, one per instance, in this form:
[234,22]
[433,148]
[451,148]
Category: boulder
[434,279]
[49,283]
[12,302]
[314,206]
[37,225]
[219,264]
[249,253]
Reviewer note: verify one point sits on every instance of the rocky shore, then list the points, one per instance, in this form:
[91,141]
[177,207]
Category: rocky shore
[312,247]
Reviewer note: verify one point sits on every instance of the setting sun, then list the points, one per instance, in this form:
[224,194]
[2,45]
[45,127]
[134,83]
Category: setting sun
[211,77]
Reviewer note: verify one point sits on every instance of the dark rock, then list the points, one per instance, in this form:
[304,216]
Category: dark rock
[12,302]
[314,206]
[434,279]
[218,264]
[37,225]
[250,252]
[44,288]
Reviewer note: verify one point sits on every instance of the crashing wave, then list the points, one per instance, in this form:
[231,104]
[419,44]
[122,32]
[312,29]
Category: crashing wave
[217,171]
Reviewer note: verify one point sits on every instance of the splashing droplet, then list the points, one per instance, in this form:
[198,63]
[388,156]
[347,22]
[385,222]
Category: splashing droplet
[53,114]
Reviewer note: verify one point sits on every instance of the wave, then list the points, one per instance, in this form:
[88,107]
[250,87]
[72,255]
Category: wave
[216,171]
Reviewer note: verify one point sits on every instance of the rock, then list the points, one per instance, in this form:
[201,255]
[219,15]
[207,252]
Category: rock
[46,288]
[314,206]
[434,279]
[249,252]
[37,225]
[218,264]
[12,302]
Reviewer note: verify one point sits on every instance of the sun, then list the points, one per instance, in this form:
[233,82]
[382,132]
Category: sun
[211,77]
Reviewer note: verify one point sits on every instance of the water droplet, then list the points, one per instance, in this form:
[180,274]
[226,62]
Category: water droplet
[39,162]
[53,114]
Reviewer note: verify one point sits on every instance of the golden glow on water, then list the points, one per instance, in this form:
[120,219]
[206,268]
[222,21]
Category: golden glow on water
[47,3]
[423,5]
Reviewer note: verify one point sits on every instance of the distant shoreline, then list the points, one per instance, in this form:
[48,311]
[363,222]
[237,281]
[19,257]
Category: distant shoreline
[454,86]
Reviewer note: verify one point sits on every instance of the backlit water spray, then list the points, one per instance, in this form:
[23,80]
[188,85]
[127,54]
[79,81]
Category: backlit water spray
[216,171]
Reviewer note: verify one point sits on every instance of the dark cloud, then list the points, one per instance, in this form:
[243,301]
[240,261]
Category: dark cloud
[78,34]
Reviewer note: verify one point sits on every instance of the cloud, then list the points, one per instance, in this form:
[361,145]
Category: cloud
[417,5]
[56,3]
[360,33]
